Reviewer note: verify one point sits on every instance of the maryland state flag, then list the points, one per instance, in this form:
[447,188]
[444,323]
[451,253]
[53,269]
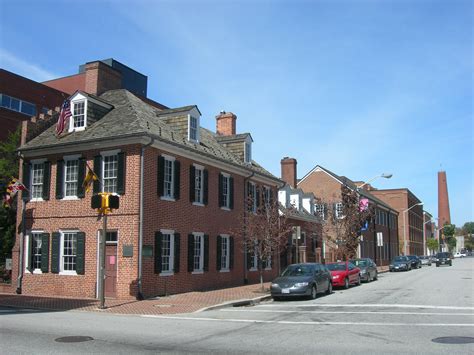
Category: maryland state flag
[89,179]
[13,187]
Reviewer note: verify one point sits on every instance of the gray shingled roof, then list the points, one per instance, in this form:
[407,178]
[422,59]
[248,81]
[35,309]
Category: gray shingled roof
[133,117]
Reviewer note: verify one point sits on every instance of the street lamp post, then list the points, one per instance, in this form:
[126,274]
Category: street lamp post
[404,227]
[424,234]
[383,175]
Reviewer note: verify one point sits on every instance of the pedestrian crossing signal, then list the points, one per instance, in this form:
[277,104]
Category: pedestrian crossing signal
[105,202]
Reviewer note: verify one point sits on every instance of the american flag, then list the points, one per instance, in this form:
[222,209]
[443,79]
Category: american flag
[64,115]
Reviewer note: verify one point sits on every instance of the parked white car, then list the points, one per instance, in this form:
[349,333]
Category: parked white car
[458,255]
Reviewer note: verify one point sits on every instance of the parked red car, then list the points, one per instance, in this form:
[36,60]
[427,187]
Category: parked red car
[344,274]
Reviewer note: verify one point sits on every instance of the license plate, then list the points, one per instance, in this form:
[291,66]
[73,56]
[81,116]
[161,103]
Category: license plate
[285,290]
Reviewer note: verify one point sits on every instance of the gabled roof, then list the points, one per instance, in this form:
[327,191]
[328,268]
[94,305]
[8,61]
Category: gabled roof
[350,184]
[132,117]
[233,138]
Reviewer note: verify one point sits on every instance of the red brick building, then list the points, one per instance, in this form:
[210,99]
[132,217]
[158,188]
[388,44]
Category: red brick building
[410,221]
[182,190]
[22,99]
[378,242]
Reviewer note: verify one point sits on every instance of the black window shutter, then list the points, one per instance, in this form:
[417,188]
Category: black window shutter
[25,194]
[325,209]
[205,192]
[44,252]
[231,253]
[177,252]
[121,173]
[81,174]
[29,261]
[158,238]
[220,190]
[219,253]
[206,252]
[257,195]
[177,181]
[192,183]
[55,246]
[98,172]
[60,179]
[46,180]
[231,193]
[80,253]
[160,175]
[190,252]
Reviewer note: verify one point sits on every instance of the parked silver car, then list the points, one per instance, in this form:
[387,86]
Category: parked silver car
[425,260]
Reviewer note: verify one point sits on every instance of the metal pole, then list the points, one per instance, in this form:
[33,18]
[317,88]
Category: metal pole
[404,234]
[102,263]
[21,266]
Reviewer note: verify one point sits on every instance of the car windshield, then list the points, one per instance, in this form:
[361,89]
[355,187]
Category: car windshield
[442,255]
[400,258]
[360,263]
[298,270]
[336,267]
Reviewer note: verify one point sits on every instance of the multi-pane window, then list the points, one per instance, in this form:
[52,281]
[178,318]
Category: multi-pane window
[167,252]
[193,128]
[339,210]
[36,250]
[248,152]
[37,175]
[198,255]
[71,169]
[319,208]
[168,178]
[225,252]
[18,105]
[111,237]
[79,114]
[253,260]
[225,191]
[267,193]
[110,172]
[69,251]
[252,193]
[198,185]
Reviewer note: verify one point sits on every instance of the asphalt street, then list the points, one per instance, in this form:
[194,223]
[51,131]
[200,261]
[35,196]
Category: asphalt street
[424,311]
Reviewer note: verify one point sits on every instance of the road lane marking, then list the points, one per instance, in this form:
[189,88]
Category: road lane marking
[369,306]
[348,312]
[233,320]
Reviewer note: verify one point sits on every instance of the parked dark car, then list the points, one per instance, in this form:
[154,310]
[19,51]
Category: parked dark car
[368,269]
[344,274]
[400,263]
[443,258]
[415,261]
[306,279]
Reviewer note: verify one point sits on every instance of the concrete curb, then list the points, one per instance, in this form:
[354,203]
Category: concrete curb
[236,303]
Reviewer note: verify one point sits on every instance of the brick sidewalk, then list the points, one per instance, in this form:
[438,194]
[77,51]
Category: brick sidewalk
[181,303]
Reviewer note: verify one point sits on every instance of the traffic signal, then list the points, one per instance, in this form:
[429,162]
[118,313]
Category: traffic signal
[105,202]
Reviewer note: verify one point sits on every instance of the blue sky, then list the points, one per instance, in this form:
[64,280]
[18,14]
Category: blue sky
[359,87]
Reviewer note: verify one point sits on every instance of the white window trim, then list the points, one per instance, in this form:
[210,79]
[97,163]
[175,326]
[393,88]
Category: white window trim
[255,259]
[36,161]
[254,196]
[27,249]
[341,215]
[71,119]
[226,176]
[201,169]
[66,158]
[201,256]
[248,143]
[171,271]
[227,269]
[61,253]
[269,267]
[104,154]
[169,198]
[197,129]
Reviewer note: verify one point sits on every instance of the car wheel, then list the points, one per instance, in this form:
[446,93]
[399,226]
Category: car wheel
[437,265]
[314,292]
[450,264]
[329,290]
[346,283]
[376,276]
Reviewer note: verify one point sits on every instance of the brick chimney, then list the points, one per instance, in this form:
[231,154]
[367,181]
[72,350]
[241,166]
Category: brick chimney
[225,124]
[101,77]
[443,201]
[288,171]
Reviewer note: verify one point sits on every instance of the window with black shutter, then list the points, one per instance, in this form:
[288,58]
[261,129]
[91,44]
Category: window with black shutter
[219,253]
[177,251]
[177,179]
[160,175]
[206,252]
[158,236]
[55,252]
[25,194]
[121,173]
[231,253]
[231,192]
[221,190]
[190,252]
[80,253]
[59,179]
[45,252]
[46,180]
[205,193]
[98,172]
[192,183]
[81,174]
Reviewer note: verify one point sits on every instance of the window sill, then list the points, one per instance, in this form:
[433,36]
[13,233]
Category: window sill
[197,272]
[35,271]
[253,269]
[226,209]
[199,204]
[70,273]
[166,198]
[224,270]
[36,200]
[166,273]
[70,198]
[268,269]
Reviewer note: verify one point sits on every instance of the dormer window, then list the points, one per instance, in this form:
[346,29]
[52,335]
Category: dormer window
[79,115]
[248,152]
[193,128]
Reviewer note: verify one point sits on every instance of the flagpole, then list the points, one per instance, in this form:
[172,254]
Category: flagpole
[22,241]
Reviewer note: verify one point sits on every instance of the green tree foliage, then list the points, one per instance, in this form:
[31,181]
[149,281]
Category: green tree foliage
[8,168]
[432,245]
[468,228]
[449,230]
[451,241]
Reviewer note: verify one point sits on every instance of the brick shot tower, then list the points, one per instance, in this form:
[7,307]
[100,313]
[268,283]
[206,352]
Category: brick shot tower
[443,201]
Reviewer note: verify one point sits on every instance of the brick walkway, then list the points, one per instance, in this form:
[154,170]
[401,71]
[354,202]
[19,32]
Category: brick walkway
[181,303]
